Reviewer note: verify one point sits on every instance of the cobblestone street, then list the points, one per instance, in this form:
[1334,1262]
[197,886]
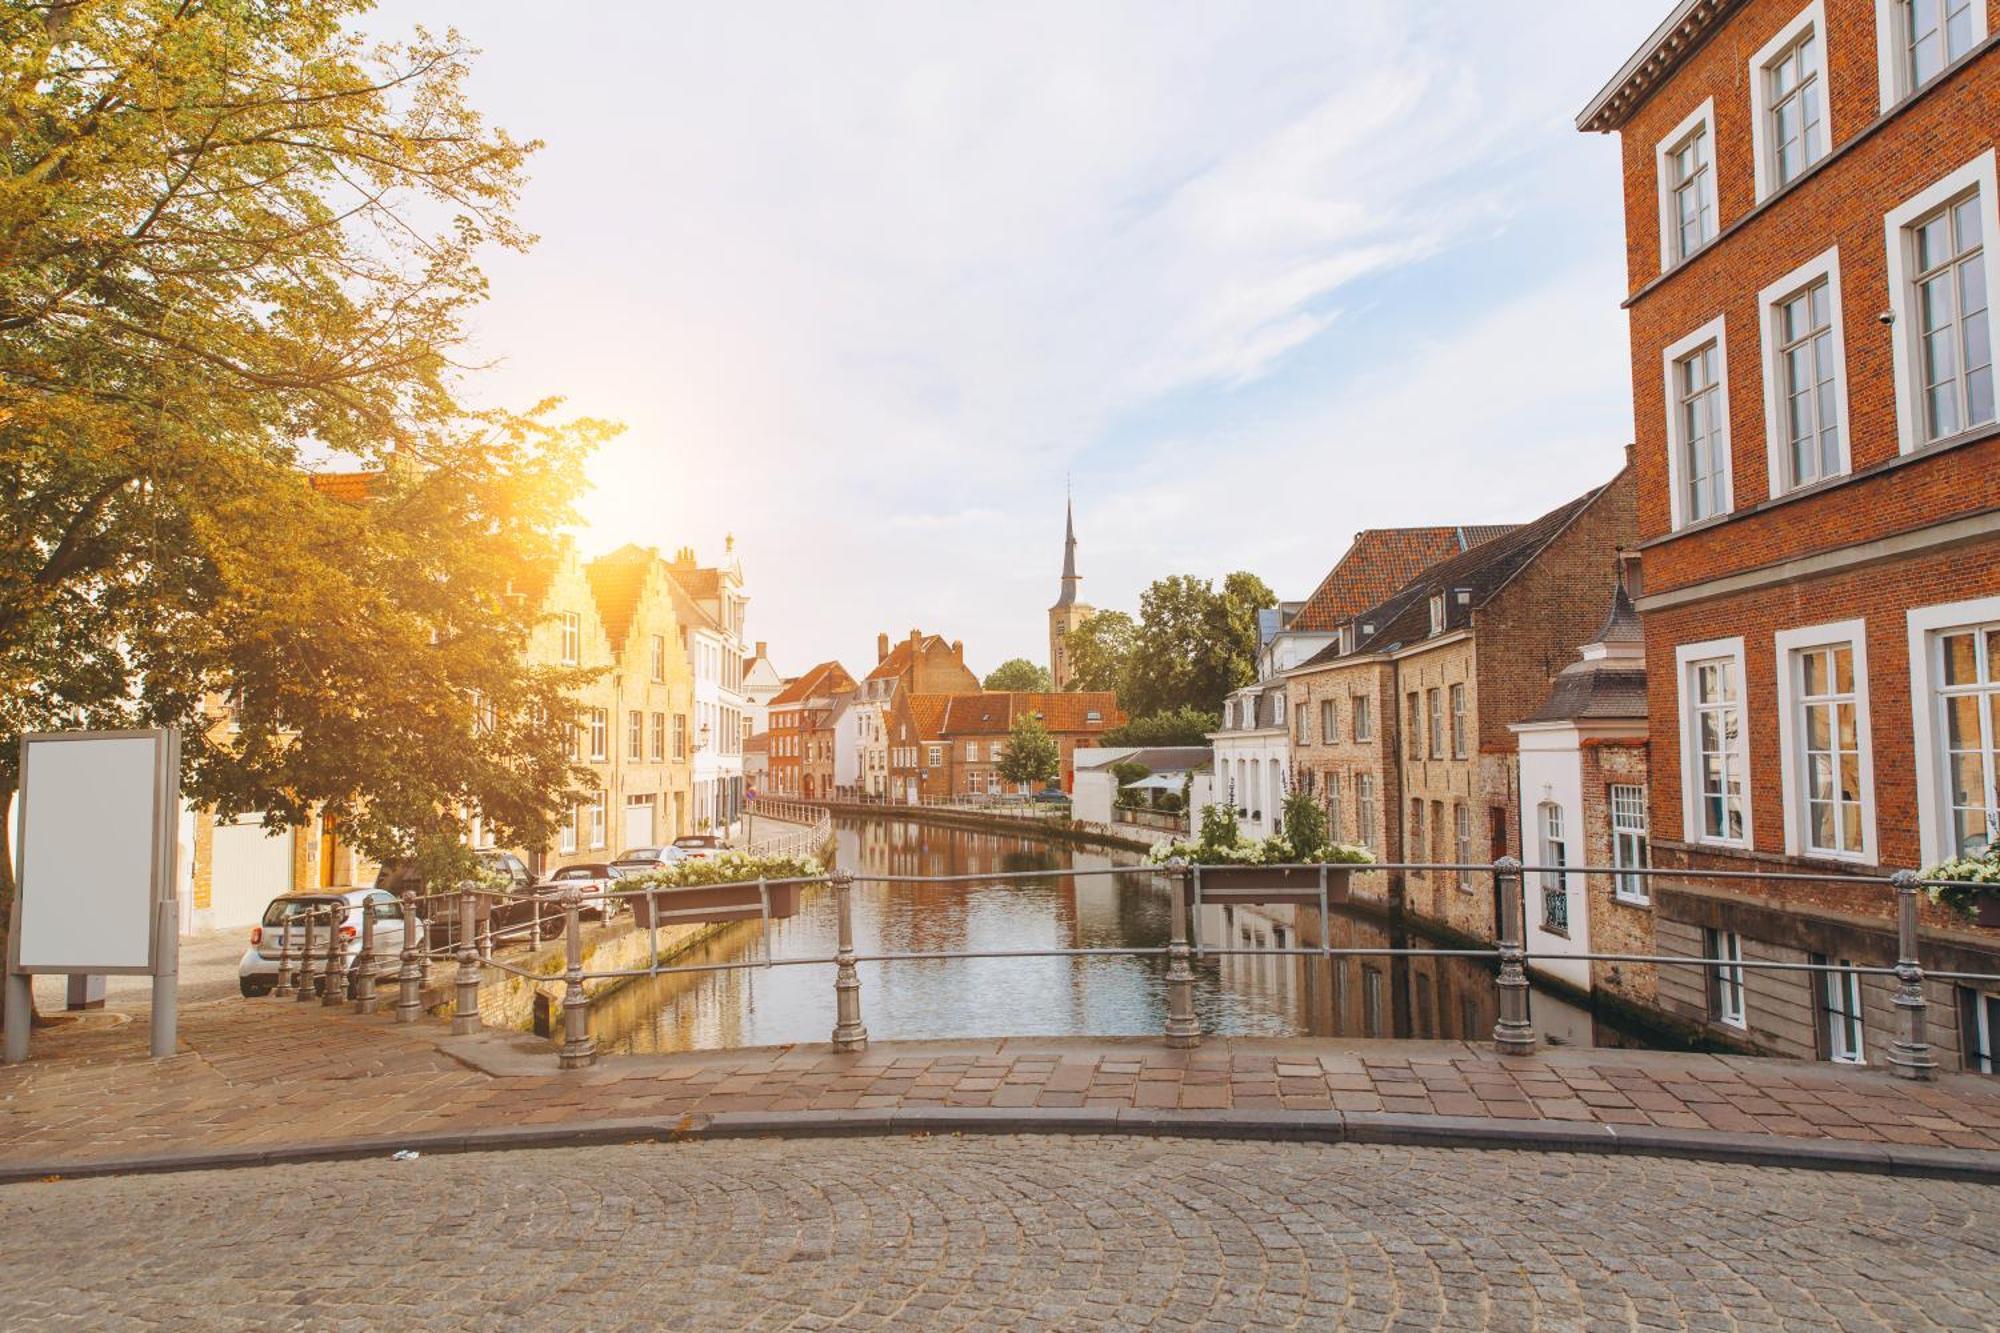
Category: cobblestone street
[1048,1232]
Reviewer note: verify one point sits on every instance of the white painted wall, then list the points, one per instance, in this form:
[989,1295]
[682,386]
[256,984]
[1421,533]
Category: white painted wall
[1552,771]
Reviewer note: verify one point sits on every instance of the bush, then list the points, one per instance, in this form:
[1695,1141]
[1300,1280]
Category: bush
[729,868]
[1971,877]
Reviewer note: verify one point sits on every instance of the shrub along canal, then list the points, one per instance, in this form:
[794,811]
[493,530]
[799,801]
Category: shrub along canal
[1100,996]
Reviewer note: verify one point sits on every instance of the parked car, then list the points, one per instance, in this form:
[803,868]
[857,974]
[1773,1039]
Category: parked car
[284,920]
[1052,796]
[594,878]
[701,846]
[638,860]
[514,910]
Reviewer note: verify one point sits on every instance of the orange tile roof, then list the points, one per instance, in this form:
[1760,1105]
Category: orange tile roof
[1380,561]
[994,712]
[927,712]
[899,660]
[353,487]
[616,581]
[825,679]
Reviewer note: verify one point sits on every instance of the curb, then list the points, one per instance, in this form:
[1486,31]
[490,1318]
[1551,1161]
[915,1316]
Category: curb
[1382,1128]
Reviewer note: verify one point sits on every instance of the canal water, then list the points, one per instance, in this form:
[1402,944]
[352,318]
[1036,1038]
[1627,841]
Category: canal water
[1236,995]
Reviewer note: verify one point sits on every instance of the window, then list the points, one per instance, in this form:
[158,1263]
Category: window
[567,842]
[600,729]
[1823,728]
[1331,799]
[572,638]
[1805,391]
[1329,721]
[1697,370]
[993,749]
[1967,670]
[1684,163]
[1555,879]
[1364,721]
[1840,1012]
[1460,722]
[659,657]
[1979,1029]
[1364,809]
[1628,844]
[972,752]
[1462,843]
[1413,726]
[659,737]
[635,735]
[680,736]
[1434,699]
[597,821]
[1789,130]
[1302,721]
[1944,292]
[1416,832]
[1712,747]
[1917,39]
[1725,988]
[1437,613]
[934,756]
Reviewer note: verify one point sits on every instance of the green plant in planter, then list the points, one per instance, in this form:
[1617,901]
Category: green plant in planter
[1221,844]
[1972,878]
[729,868]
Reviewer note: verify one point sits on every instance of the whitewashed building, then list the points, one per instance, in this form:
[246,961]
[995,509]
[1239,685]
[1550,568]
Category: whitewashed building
[712,604]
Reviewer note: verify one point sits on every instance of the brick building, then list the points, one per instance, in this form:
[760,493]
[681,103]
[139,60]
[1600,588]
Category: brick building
[975,728]
[800,720]
[920,664]
[1809,188]
[1401,723]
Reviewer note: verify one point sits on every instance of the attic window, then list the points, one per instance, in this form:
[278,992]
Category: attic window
[1346,639]
[1437,613]
[1093,715]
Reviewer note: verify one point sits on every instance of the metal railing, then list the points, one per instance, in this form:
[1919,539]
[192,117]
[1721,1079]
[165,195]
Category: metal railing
[1910,1054]
[786,828]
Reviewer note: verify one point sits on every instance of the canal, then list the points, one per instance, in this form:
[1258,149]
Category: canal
[1101,996]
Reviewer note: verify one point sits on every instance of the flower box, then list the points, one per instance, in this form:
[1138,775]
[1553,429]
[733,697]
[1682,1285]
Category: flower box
[1273,885]
[697,903]
[1986,912]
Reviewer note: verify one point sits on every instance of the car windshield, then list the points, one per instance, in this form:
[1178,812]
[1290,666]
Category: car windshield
[641,854]
[695,840]
[285,909]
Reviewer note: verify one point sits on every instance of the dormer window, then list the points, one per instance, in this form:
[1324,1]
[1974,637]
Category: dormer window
[1346,639]
[1437,613]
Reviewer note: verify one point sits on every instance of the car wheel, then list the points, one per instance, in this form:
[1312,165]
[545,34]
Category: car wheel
[252,989]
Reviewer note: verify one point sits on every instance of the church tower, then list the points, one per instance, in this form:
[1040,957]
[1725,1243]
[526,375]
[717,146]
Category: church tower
[1068,612]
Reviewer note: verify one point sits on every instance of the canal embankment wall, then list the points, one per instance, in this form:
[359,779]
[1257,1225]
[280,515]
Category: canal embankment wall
[1064,832]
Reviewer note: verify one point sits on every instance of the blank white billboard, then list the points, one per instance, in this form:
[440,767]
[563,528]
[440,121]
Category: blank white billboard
[91,818]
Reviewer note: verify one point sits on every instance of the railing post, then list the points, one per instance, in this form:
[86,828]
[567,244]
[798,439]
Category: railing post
[304,993]
[1514,1034]
[410,978]
[465,1019]
[364,968]
[334,976]
[578,1050]
[284,985]
[1910,1050]
[848,1033]
[1183,1028]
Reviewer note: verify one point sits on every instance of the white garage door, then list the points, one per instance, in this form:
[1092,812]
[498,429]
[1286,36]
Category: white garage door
[250,869]
[639,822]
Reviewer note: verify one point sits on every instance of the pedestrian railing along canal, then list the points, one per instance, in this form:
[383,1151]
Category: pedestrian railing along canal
[460,928]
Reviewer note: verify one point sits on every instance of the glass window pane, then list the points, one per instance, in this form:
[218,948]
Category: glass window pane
[1961,722]
[1843,669]
[1965,217]
[1933,243]
[1819,728]
[1992,654]
[1814,664]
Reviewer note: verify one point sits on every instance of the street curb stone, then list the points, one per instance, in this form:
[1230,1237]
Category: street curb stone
[1382,1128]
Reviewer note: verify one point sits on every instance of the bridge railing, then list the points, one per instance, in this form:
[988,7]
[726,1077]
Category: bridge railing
[464,927]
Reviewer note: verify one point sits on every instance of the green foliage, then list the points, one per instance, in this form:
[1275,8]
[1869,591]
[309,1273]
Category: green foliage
[1019,673]
[1971,877]
[728,868]
[1100,652]
[1220,842]
[1304,824]
[1127,772]
[1195,643]
[1031,755]
[1186,725]
[238,240]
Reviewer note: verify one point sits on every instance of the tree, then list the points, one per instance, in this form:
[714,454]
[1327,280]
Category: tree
[1100,652]
[1018,673]
[237,241]
[1186,725]
[1194,643]
[1030,755]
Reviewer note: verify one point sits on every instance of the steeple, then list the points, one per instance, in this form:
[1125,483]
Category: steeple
[1069,576]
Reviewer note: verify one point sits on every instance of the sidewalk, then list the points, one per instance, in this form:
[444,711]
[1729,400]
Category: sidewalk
[273,1074]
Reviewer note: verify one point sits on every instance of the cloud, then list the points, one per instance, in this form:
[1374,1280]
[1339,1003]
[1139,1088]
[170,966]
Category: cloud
[865,281]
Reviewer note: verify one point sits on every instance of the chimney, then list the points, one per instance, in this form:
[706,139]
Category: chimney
[958,649]
[881,647]
[763,649]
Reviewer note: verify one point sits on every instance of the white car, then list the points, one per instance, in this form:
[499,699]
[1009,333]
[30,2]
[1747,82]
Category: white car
[594,879]
[257,973]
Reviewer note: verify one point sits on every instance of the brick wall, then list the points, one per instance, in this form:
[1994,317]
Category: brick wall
[1335,765]
[1616,926]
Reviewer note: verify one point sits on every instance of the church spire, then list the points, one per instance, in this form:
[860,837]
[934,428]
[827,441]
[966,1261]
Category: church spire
[1069,576]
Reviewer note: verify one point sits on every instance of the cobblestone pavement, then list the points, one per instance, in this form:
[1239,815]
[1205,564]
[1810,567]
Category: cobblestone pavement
[1044,1232]
[258,1073]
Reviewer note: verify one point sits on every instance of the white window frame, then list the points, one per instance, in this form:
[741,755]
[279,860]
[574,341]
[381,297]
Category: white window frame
[1631,889]
[566,844]
[1701,118]
[1933,811]
[1890,41]
[1437,613]
[659,658]
[1553,826]
[1364,718]
[1980,174]
[600,734]
[1840,998]
[572,638]
[597,822]
[1791,734]
[1686,656]
[1434,722]
[1329,721]
[1726,984]
[1770,303]
[1462,831]
[1763,140]
[1714,331]
[1461,721]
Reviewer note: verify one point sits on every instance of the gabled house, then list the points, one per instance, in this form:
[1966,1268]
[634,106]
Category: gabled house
[651,697]
[802,731]
[975,729]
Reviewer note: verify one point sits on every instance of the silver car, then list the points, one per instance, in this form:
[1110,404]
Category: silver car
[284,924]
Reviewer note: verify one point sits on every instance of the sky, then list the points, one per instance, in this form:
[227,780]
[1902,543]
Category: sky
[868,284]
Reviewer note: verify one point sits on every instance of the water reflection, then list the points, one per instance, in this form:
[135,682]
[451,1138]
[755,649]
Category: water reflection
[1235,995]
